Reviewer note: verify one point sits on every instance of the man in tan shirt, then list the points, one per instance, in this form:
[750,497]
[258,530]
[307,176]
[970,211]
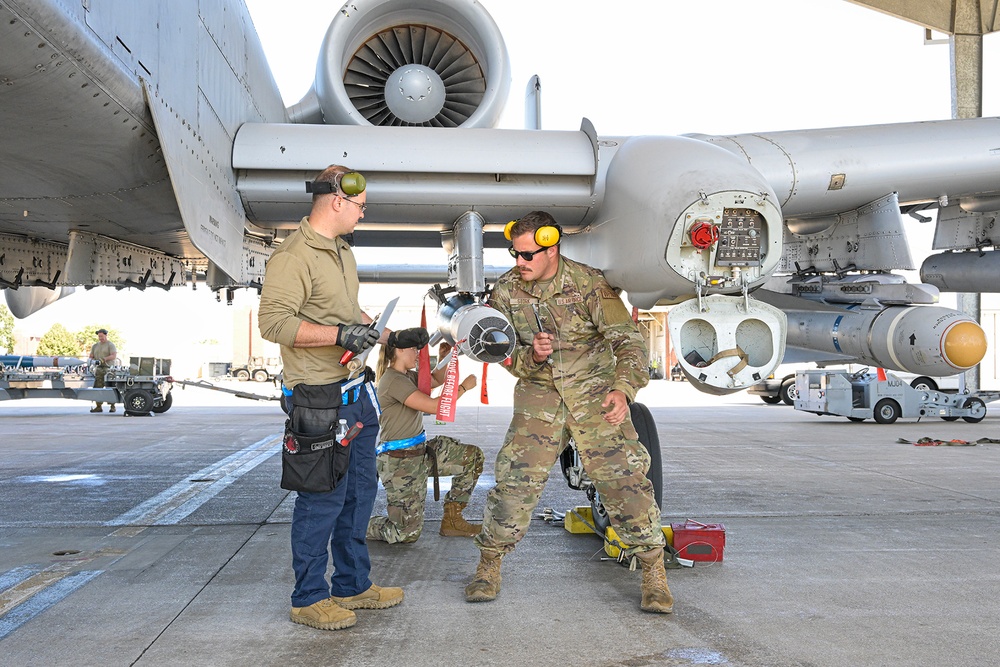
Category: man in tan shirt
[309,305]
[103,352]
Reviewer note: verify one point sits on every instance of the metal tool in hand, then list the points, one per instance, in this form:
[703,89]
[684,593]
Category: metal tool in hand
[538,321]
[538,317]
[379,323]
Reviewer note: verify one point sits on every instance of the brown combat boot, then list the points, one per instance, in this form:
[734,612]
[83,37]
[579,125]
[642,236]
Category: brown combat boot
[656,597]
[486,582]
[376,597]
[323,615]
[454,525]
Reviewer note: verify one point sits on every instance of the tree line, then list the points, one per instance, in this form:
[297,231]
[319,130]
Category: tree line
[58,341]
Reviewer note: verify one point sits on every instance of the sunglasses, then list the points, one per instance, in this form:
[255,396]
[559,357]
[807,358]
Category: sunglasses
[526,255]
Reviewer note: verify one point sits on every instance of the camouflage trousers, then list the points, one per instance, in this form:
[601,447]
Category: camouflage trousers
[613,458]
[100,372]
[405,482]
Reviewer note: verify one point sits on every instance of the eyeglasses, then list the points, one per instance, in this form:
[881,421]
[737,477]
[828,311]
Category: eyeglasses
[363,207]
[527,255]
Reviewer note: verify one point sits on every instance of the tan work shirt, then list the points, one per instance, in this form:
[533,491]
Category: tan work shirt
[101,350]
[398,421]
[596,347]
[314,279]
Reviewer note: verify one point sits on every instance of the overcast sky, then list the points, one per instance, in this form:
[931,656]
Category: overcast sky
[635,67]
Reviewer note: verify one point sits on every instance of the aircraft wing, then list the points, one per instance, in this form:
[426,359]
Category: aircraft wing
[152,147]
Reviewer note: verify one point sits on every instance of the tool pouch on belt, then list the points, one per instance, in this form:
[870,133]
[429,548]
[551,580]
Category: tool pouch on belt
[312,458]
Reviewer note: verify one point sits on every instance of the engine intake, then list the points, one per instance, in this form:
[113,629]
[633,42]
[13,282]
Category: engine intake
[431,63]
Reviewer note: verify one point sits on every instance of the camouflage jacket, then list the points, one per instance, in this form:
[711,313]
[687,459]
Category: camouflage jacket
[596,347]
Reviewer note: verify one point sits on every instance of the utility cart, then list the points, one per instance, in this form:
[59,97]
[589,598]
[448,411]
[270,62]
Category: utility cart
[883,397]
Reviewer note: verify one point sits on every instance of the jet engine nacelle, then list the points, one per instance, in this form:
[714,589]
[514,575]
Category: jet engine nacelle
[433,63]
[481,332]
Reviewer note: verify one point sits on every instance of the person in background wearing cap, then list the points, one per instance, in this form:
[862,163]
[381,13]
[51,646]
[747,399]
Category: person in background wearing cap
[406,456]
[104,352]
[309,305]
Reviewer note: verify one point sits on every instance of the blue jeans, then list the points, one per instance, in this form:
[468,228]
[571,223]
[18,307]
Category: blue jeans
[335,522]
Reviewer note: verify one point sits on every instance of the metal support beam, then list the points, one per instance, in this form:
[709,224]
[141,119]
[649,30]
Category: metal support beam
[967,102]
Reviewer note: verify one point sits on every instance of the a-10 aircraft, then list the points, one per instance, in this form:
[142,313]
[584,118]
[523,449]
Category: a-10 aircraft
[146,144]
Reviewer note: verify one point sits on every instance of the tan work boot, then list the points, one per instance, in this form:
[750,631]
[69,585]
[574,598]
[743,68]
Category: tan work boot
[486,582]
[324,615]
[375,597]
[656,595]
[96,408]
[454,525]
[112,408]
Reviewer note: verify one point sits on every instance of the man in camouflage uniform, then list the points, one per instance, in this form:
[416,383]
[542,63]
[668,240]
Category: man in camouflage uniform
[579,360]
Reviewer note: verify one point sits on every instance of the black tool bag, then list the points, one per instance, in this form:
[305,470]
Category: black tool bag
[312,458]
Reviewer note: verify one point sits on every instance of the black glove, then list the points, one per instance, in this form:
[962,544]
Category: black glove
[356,337]
[406,338]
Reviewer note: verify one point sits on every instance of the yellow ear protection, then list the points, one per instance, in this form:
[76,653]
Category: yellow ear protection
[351,183]
[546,236]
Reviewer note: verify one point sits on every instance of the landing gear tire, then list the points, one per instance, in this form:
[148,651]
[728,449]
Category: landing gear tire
[645,427]
[856,419]
[886,411]
[771,400]
[788,392]
[950,419]
[168,400]
[978,409]
[138,402]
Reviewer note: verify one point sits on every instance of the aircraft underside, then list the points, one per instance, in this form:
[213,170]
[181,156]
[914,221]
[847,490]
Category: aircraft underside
[147,150]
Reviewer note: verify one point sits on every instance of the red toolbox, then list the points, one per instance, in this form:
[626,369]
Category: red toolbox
[699,541]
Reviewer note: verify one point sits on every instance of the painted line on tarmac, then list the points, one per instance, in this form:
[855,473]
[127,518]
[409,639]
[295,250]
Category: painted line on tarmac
[13,577]
[183,498]
[28,590]
[41,599]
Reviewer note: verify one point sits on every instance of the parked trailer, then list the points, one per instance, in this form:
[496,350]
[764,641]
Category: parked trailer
[139,394]
[883,397]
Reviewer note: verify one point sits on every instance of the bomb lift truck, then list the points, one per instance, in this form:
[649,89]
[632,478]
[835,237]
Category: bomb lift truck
[883,397]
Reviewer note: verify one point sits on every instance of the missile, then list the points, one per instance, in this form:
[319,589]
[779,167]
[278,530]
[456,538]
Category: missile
[926,340]
[19,361]
[481,332]
[971,271]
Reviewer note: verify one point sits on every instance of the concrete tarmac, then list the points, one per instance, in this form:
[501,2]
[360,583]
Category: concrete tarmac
[164,541]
